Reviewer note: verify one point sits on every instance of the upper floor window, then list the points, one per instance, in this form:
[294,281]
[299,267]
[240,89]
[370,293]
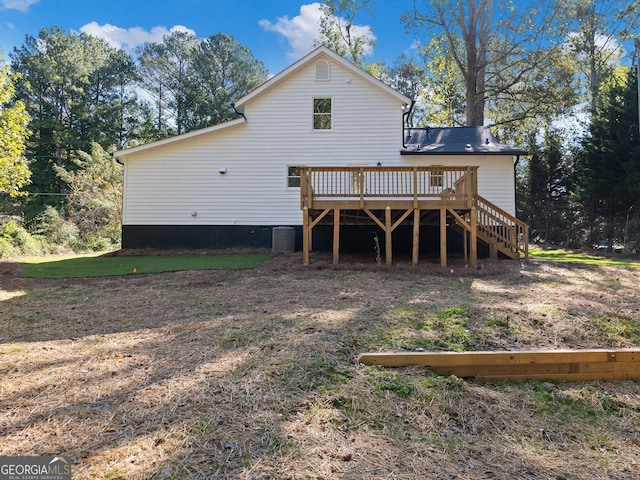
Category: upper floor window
[322,70]
[322,114]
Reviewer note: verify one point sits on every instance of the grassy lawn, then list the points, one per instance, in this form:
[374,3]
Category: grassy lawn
[98,265]
[581,258]
[253,374]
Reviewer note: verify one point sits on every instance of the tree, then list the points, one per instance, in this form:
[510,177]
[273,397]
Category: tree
[14,121]
[194,83]
[339,32]
[408,77]
[608,167]
[445,97]
[223,71]
[95,191]
[547,189]
[597,28]
[166,74]
[116,114]
[499,49]
[68,84]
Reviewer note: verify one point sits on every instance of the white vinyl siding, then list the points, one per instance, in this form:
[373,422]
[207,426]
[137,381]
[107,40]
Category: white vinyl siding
[164,185]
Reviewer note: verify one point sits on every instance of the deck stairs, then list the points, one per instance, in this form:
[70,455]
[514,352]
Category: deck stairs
[502,232]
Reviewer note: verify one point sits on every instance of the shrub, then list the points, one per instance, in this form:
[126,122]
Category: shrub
[51,225]
[16,240]
[7,249]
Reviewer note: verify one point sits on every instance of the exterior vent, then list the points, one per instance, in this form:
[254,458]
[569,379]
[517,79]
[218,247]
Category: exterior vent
[284,239]
[322,70]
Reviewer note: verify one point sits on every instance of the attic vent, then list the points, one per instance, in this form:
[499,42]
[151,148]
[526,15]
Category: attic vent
[322,70]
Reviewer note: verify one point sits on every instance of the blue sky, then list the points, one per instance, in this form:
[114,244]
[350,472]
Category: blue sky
[278,32]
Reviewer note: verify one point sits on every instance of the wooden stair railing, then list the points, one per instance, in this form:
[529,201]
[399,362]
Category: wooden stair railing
[494,224]
[496,228]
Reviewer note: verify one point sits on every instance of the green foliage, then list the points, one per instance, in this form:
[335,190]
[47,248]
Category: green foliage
[223,71]
[15,240]
[608,166]
[618,329]
[409,78]
[77,89]
[14,120]
[383,380]
[548,188]
[445,383]
[323,374]
[445,84]
[339,32]
[194,83]
[593,44]
[52,226]
[7,249]
[95,192]
[491,57]
[451,330]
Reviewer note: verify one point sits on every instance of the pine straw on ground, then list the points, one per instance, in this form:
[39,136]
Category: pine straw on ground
[253,374]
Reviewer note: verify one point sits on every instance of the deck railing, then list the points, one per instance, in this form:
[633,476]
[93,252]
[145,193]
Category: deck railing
[509,231]
[371,183]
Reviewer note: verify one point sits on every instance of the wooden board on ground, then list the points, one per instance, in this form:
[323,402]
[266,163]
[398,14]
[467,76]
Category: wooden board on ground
[564,365]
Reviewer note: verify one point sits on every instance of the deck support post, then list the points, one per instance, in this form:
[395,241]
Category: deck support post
[387,235]
[306,236]
[493,249]
[474,237]
[416,236]
[443,237]
[336,235]
[465,246]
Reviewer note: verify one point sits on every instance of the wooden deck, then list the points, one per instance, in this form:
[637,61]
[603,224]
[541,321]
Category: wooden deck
[391,196]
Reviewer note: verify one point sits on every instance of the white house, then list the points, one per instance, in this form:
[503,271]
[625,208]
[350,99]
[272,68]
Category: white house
[229,185]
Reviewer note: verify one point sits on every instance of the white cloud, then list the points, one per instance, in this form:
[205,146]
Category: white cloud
[302,30]
[130,38]
[22,5]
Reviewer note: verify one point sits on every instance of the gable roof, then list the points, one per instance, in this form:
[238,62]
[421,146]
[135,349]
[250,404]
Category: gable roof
[315,55]
[455,141]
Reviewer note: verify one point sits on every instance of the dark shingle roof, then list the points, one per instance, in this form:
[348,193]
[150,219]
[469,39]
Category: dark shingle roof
[455,140]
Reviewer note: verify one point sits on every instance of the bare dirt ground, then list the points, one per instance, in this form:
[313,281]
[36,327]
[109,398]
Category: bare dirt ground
[253,374]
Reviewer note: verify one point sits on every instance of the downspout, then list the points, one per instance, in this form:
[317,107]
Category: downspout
[515,182]
[405,121]
[233,105]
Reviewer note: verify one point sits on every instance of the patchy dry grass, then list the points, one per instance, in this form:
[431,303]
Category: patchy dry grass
[253,374]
